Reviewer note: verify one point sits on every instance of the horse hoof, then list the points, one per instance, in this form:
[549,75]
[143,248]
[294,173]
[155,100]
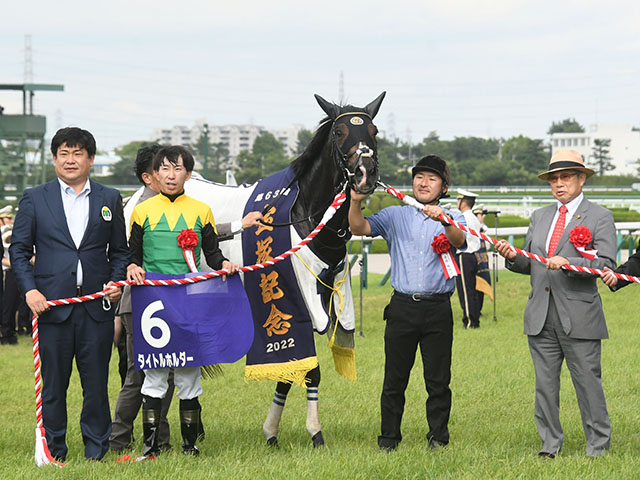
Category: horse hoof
[317,440]
[193,451]
[272,442]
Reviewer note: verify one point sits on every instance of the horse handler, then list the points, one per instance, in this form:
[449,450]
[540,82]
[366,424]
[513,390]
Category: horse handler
[419,313]
[153,243]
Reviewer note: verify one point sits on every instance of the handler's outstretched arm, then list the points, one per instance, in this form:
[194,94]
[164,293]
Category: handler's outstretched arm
[358,224]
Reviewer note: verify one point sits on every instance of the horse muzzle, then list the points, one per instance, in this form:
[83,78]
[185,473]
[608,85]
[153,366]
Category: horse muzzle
[364,181]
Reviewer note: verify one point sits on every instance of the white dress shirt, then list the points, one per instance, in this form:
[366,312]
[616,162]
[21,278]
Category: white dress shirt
[572,206]
[76,210]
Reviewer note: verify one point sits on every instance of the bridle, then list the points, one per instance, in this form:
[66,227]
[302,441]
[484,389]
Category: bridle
[362,151]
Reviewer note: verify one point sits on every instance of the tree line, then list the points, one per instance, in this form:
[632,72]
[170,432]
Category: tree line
[472,160]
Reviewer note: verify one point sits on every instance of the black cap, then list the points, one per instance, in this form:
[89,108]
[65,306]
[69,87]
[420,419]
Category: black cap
[433,163]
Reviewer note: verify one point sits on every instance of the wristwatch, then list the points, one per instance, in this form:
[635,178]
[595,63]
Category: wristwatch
[445,224]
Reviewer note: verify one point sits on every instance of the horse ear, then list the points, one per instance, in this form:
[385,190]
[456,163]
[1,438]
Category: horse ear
[373,107]
[329,108]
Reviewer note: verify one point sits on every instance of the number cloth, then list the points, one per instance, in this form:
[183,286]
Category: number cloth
[204,323]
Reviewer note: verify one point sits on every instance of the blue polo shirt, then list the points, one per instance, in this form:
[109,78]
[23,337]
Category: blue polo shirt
[415,267]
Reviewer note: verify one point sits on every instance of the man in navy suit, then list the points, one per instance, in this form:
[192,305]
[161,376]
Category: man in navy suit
[77,228]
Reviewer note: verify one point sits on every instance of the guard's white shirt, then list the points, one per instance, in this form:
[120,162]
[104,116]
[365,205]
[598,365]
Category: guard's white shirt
[473,242]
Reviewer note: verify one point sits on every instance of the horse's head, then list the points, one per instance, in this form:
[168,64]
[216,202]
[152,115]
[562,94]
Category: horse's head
[353,138]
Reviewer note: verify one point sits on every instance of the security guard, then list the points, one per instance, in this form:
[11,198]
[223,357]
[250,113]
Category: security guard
[468,263]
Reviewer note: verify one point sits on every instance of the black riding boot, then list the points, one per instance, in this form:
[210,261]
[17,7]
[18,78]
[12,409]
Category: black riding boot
[201,432]
[150,424]
[189,423]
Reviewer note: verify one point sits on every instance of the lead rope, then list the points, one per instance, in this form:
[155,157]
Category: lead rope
[406,199]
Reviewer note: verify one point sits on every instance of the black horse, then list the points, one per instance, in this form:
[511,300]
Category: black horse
[341,155]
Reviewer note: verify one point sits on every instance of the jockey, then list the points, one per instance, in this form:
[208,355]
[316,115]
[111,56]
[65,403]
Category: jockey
[155,224]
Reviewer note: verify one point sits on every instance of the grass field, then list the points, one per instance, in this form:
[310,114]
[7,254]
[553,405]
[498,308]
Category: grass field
[493,434]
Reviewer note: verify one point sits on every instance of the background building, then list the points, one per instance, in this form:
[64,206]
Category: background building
[624,149]
[234,138]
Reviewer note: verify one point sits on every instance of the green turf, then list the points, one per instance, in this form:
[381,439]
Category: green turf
[493,433]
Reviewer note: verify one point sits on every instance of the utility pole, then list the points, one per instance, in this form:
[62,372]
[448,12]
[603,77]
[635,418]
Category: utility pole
[28,70]
[205,149]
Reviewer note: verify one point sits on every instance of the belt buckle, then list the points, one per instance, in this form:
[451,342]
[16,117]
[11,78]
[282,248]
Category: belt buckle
[416,297]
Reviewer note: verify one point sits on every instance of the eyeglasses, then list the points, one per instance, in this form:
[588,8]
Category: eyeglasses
[563,177]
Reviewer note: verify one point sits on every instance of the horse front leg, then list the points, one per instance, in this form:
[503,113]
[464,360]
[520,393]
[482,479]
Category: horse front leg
[272,422]
[314,428]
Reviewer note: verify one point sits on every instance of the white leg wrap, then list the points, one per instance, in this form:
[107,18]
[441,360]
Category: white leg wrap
[313,420]
[270,427]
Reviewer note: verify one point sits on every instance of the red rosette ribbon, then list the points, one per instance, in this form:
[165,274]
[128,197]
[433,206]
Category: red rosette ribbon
[442,247]
[581,236]
[188,240]
[441,244]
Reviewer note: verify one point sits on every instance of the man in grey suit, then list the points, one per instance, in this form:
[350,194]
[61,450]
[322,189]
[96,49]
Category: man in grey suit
[563,317]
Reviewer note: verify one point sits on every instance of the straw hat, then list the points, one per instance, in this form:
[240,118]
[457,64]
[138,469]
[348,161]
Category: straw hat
[565,159]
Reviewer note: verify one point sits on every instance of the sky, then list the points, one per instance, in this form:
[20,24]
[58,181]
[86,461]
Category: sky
[459,68]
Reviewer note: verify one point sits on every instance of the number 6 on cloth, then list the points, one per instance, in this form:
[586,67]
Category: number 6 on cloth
[191,325]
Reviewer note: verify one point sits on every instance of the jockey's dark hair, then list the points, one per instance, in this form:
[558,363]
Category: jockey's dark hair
[73,137]
[172,154]
[144,160]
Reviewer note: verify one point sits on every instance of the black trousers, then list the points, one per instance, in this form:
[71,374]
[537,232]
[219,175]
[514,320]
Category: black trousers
[89,342]
[467,294]
[11,304]
[429,324]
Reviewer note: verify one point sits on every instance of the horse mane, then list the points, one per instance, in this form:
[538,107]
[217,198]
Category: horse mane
[301,164]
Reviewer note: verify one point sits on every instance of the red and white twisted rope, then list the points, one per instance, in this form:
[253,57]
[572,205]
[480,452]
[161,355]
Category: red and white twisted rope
[414,203]
[43,456]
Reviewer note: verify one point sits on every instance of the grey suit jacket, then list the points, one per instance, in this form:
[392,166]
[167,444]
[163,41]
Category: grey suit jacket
[575,294]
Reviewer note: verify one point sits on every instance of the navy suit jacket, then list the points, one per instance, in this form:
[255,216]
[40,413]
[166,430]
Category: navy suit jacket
[41,223]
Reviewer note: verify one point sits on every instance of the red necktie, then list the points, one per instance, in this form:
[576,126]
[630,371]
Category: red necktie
[557,230]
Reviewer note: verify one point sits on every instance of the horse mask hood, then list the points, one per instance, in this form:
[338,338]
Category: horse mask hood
[360,133]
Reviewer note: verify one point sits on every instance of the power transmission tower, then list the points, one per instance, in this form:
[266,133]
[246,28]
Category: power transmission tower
[410,152]
[391,126]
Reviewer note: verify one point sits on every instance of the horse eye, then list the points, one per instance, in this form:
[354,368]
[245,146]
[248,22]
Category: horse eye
[338,133]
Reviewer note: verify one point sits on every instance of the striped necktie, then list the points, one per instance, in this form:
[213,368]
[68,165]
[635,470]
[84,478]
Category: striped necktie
[557,230]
